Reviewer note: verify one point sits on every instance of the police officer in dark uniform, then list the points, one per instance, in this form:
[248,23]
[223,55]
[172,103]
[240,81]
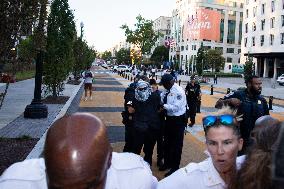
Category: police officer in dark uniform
[193,95]
[127,118]
[250,104]
[146,120]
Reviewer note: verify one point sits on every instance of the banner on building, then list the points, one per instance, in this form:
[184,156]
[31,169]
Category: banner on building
[203,24]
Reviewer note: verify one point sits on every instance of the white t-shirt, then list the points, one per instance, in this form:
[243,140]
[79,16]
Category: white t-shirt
[88,76]
[128,171]
[201,175]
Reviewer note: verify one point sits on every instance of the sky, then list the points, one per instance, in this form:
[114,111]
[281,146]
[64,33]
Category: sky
[102,18]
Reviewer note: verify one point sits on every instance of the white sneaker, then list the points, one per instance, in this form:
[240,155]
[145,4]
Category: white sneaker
[91,98]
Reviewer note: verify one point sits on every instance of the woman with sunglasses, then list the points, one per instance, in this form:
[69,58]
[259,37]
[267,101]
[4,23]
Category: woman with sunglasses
[223,142]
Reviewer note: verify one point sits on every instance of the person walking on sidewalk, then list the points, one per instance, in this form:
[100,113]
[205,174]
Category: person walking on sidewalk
[193,95]
[215,79]
[88,75]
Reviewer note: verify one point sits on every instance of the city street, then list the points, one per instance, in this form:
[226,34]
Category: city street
[107,104]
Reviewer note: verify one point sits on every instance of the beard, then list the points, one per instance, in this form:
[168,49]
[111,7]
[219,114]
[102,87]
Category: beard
[255,92]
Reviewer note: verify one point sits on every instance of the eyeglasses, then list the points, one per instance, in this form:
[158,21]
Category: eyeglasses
[211,120]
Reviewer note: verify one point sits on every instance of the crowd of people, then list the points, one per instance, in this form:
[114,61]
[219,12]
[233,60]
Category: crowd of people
[243,142]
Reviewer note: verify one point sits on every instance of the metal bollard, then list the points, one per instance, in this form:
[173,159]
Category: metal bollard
[128,77]
[131,78]
[270,102]
[179,82]
[198,106]
[211,90]
[228,90]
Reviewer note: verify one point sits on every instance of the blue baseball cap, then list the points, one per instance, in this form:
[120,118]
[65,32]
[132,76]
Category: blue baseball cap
[166,78]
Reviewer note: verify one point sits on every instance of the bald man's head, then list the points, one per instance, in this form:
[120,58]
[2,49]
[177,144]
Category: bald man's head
[77,152]
[263,121]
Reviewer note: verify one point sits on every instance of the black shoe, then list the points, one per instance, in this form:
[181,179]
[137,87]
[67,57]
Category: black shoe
[160,163]
[164,167]
[170,172]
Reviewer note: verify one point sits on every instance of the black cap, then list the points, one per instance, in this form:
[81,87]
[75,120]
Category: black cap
[166,78]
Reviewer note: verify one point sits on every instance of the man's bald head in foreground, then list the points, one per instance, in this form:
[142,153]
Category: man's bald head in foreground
[77,152]
[263,121]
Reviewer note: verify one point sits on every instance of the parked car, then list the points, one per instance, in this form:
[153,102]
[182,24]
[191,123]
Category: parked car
[280,79]
[122,68]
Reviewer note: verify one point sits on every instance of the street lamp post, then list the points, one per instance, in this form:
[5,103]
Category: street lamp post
[37,109]
[82,26]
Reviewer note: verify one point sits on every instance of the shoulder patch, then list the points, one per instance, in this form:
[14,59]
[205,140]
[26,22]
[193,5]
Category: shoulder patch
[230,94]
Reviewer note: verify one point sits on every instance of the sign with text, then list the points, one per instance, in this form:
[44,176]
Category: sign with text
[204,24]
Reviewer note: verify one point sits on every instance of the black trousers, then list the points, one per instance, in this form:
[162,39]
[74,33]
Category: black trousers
[146,137]
[128,137]
[160,139]
[192,105]
[174,132]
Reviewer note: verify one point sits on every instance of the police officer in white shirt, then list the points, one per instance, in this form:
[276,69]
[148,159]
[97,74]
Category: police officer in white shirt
[174,103]
[78,156]
[223,141]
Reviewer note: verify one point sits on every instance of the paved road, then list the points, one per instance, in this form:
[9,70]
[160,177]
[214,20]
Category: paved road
[107,104]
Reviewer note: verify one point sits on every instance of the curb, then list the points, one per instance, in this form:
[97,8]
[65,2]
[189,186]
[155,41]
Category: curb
[38,148]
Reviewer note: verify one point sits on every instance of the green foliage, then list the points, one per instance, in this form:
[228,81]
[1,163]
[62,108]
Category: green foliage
[219,74]
[248,67]
[200,59]
[26,50]
[61,34]
[106,55]
[25,75]
[160,54]
[123,56]
[143,36]
[83,57]
[18,17]
[214,60]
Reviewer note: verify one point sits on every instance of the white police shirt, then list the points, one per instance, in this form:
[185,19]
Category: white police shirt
[201,175]
[176,101]
[128,171]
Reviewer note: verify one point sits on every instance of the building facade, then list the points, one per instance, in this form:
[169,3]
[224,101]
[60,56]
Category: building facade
[215,23]
[163,26]
[263,36]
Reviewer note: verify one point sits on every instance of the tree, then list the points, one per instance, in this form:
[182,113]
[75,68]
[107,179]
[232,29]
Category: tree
[215,60]
[123,56]
[61,34]
[248,67]
[106,55]
[18,17]
[200,59]
[160,54]
[83,56]
[144,37]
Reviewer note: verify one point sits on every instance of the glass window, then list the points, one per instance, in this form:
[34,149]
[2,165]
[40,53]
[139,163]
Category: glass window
[230,50]
[282,20]
[253,41]
[262,24]
[229,59]
[272,21]
[263,8]
[261,40]
[253,26]
[271,39]
[272,6]
[246,27]
[282,38]
[246,41]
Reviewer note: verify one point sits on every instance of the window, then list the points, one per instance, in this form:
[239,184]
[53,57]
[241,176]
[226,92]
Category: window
[271,39]
[272,21]
[230,50]
[246,41]
[229,59]
[246,27]
[247,13]
[254,11]
[253,26]
[239,51]
[282,20]
[262,8]
[261,40]
[262,24]
[272,6]
[253,41]
[282,38]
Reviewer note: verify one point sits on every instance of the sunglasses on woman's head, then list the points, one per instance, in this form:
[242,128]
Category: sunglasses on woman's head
[211,120]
